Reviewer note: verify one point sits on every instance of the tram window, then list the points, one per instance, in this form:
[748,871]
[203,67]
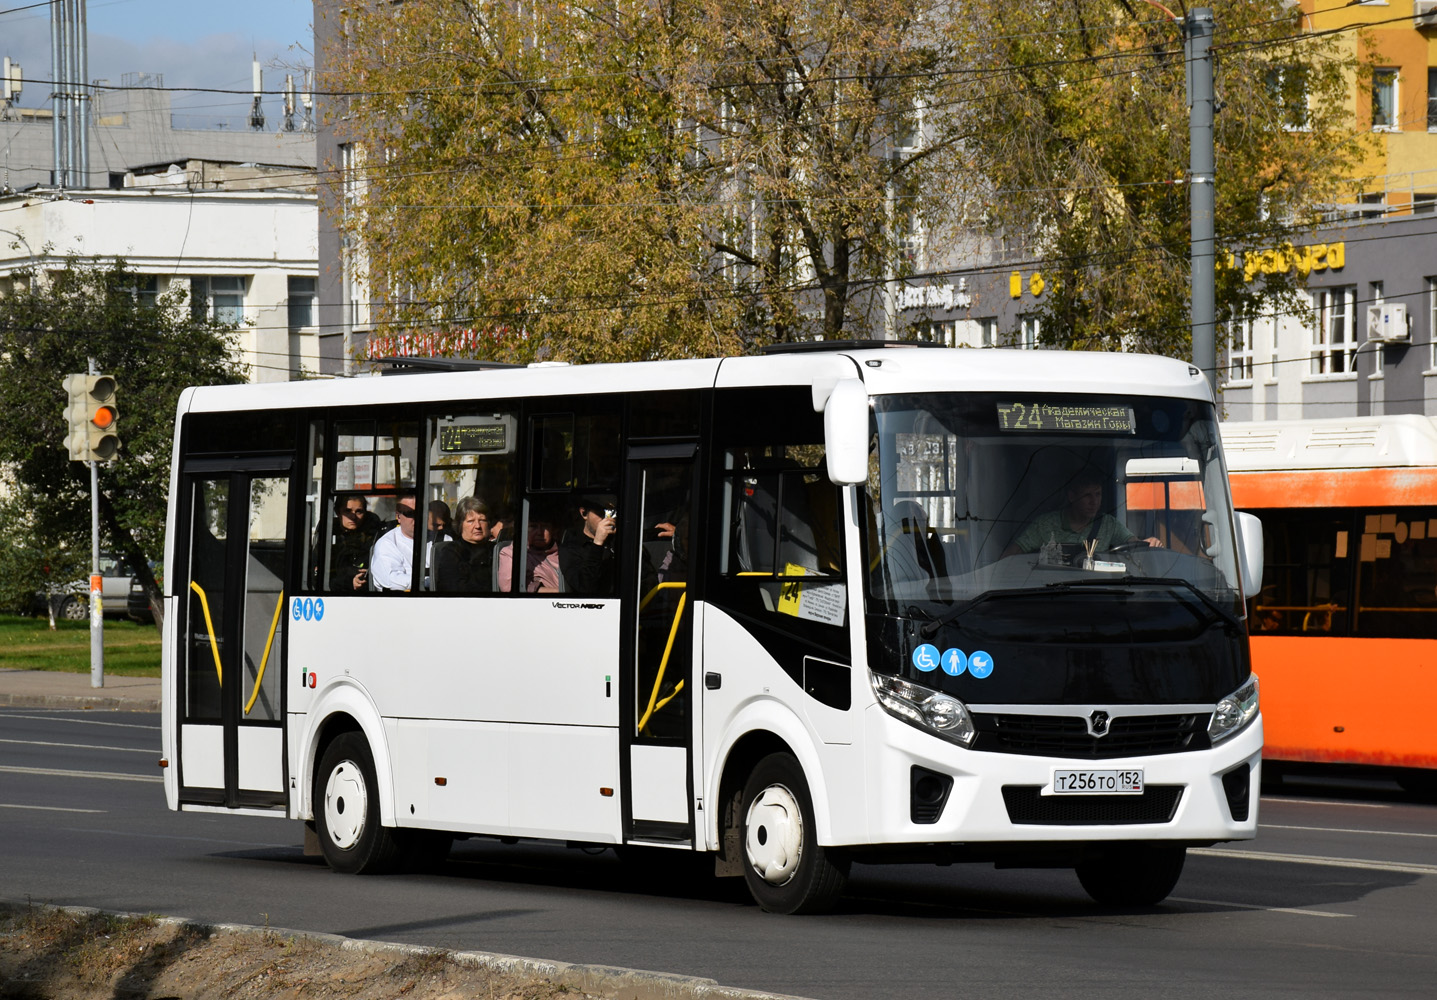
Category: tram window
[1306,573]
[1396,574]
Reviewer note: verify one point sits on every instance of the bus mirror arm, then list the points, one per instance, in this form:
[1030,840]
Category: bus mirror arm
[845,432]
[1249,547]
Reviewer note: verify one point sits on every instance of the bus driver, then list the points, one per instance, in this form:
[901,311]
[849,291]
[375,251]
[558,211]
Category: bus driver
[1079,520]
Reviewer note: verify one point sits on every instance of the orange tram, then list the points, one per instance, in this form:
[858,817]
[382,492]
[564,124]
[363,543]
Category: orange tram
[1344,629]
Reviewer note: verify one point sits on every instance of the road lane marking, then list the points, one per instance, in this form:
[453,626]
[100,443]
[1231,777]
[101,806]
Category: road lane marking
[1265,909]
[57,773]
[82,722]
[1326,802]
[1310,859]
[1336,829]
[53,809]
[83,746]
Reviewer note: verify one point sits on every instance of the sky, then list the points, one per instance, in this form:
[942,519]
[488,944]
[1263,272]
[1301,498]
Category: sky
[199,43]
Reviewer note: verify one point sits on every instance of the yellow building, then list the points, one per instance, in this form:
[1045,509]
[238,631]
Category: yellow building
[1399,103]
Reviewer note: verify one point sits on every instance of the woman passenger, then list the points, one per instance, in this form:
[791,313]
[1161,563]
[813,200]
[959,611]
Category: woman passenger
[466,564]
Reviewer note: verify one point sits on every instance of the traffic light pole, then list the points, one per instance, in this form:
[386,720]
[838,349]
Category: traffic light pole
[97,608]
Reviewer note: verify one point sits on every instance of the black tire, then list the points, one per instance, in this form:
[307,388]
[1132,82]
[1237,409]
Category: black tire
[346,810]
[785,868]
[74,609]
[1132,875]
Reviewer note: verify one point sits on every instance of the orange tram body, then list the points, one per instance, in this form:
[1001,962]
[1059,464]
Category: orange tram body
[1344,629]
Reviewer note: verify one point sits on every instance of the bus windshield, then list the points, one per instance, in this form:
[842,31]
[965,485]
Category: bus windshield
[973,497]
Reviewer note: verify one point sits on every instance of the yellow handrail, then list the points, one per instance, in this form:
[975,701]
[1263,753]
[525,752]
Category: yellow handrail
[210,626]
[273,626]
[671,585]
[654,703]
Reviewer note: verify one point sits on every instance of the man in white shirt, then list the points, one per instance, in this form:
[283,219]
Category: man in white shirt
[391,566]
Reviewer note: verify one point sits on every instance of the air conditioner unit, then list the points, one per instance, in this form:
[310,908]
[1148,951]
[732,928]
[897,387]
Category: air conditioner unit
[1424,13]
[1387,322]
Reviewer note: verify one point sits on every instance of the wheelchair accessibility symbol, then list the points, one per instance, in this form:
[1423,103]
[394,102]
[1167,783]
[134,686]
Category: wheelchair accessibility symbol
[925,657]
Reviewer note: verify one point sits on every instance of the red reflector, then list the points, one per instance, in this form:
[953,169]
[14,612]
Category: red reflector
[607,793]
[164,762]
[441,782]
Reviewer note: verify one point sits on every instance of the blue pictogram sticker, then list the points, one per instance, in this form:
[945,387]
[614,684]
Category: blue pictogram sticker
[298,609]
[955,661]
[308,608]
[318,608]
[980,664]
[925,657]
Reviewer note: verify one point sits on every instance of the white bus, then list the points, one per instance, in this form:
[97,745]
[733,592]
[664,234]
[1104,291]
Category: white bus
[791,612]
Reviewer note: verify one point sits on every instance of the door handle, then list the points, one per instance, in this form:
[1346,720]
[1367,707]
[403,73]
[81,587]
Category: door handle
[713,680]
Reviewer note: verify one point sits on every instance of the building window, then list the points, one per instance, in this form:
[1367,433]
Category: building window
[1375,297]
[988,331]
[1384,100]
[1424,203]
[1028,330]
[1432,320]
[1287,86]
[219,297]
[301,302]
[1432,98]
[147,290]
[1241,340]
[1333,332]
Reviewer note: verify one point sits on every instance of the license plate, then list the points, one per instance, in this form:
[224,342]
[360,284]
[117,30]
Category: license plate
[1097,782]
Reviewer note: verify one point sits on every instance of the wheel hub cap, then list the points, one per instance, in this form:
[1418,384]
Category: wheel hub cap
[774,838]
[345,802]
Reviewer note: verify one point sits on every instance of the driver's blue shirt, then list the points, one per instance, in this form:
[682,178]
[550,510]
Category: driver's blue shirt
[1053,525]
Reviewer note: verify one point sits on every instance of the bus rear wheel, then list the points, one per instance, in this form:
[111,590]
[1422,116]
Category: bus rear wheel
[346,810]
[785,868]
[1132,875]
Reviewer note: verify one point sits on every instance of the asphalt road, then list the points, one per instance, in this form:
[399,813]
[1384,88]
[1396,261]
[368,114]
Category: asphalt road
[1336,898]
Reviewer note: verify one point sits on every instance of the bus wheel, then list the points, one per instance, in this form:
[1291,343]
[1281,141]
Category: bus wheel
[346,810]
[785,868]
[1134,875]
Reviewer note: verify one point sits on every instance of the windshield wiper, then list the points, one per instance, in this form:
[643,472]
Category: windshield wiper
[931,627]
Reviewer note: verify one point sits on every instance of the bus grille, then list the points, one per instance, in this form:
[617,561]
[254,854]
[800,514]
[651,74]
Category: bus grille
[1027,806]
[1067,735]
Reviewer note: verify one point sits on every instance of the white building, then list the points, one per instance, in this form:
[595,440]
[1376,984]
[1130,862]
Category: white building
[250,255]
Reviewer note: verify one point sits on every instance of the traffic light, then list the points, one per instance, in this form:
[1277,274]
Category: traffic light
[91,416]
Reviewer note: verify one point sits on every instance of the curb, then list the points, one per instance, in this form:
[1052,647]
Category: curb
[609,980]
[101,702]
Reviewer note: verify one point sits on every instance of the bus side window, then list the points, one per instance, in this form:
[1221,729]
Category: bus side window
[375,463]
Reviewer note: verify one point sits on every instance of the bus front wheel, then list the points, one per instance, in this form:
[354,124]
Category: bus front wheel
[785,868]
[346,810]
[1132,875]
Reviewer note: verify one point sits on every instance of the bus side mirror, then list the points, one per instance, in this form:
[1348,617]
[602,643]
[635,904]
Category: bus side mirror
[845,432]
[1249,549]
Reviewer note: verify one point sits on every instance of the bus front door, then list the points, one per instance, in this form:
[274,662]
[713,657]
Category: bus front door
[658,647]
[233,559]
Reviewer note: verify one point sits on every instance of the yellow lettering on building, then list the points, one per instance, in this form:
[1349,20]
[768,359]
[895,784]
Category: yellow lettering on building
[1015,284]
[1286,258]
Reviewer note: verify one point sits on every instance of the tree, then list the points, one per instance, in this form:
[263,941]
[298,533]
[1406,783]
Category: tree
[30,566]
[49,327]
[1076,122]
[640,178]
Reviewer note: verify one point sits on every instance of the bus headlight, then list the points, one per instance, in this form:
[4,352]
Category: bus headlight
[938,713]
[1234,712]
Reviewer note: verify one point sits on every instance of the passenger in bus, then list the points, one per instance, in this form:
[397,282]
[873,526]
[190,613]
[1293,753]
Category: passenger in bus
[355,529]
[392,561]
[588,556]
[1079,520]
[541,564]
[465,565]
[441,528]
